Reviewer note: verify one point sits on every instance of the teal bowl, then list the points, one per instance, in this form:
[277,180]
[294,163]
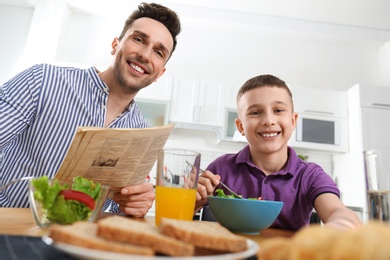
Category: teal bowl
[244,215]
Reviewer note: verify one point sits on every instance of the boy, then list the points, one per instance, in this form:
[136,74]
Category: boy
[268,168]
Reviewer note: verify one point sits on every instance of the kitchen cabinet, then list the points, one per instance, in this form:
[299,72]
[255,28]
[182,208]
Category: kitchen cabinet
[156,112]
[197,101]
[375,126]
[160,90]
[323,102]
[375,97]
[375,113]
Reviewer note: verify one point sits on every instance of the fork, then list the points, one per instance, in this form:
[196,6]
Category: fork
[14,181]
[223,184]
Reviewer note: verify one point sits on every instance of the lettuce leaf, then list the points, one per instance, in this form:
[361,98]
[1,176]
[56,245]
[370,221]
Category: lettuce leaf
[57,208]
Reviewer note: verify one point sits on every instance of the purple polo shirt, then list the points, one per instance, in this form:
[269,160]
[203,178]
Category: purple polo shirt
[297,185]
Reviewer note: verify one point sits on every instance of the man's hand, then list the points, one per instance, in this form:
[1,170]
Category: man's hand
[135,200]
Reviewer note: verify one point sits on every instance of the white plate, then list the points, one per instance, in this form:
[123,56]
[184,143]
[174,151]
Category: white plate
[86,253]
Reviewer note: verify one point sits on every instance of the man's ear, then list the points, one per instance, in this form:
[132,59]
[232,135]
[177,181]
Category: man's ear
[161,73]
[114,45]
[239,126]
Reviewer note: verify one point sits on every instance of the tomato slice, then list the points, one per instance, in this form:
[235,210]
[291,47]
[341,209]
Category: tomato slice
[79,196]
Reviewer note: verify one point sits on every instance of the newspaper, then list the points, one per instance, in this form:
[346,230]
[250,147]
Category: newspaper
[116,157]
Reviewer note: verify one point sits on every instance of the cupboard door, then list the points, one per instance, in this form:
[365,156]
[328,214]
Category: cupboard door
[197,101]
[376,125]
[210,102]
[323,102]
[374,96]
[184,100]
[160,90]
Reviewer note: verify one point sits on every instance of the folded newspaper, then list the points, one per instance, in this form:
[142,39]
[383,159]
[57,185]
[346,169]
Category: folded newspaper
[116,157]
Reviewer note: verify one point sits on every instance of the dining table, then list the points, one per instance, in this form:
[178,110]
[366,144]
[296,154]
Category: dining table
[21,238]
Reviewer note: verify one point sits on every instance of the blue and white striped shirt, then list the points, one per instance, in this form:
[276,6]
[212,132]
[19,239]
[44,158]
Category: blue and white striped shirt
[40,110]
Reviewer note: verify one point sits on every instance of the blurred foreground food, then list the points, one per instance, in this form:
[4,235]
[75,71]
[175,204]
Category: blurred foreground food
[315,242]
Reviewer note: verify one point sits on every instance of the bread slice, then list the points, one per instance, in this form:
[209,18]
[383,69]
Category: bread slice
[84,234]
[122,229]
[204,234]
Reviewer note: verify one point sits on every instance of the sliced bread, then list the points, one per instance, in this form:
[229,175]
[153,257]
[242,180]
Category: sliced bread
[84,234]
[122,229]
[204,234]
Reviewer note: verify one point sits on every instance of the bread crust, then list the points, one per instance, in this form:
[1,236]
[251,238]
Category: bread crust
[122,229]
[210,235]
[83,234]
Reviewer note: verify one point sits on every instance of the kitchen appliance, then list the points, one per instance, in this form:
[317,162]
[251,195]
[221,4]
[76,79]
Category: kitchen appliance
[320,132]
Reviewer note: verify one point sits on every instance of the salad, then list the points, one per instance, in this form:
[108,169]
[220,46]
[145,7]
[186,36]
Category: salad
[221,193]
[64,204]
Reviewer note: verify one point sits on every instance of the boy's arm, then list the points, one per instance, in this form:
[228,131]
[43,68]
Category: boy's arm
[333,213]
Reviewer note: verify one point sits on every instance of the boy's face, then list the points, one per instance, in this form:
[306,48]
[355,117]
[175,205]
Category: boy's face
[266,118]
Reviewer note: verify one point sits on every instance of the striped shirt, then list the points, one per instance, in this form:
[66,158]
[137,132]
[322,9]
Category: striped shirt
[40,110]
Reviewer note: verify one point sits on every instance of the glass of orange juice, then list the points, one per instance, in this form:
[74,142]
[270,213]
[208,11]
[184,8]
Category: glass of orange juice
[176,183]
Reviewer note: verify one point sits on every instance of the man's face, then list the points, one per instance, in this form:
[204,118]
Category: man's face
[266,118]
[140,57]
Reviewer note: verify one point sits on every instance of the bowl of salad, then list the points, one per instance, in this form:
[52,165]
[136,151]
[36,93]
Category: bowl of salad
[243,215]
[53,201]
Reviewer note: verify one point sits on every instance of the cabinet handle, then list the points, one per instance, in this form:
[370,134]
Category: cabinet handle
[319,112]
[194,114]
[380,105]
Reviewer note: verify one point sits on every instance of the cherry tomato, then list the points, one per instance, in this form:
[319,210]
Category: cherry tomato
[79,196]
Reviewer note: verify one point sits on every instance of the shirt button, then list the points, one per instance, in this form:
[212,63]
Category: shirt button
[103,106]
[265,181]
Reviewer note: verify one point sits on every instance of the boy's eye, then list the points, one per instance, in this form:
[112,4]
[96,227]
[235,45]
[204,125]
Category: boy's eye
[279,110]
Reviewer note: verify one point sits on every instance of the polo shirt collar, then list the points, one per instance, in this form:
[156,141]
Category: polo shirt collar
[292,161]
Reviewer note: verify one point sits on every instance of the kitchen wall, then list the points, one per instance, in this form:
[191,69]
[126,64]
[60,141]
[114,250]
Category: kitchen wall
[214,43]
[219,44]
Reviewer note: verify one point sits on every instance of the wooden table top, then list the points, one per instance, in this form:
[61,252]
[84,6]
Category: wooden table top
[19,221]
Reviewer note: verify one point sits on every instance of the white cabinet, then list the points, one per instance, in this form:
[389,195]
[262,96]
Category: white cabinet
[376,125]
[197,101]
[320,101]
[375,108]
[160,90]
[375,97]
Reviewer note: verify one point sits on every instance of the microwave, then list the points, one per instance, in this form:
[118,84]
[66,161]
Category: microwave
[321,133]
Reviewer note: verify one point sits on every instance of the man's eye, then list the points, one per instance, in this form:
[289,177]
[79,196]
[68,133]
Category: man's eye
[279,110]
[137,39]
[160,53]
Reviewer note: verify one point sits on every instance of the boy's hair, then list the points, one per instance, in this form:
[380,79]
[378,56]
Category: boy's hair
[156,12]
[261,81]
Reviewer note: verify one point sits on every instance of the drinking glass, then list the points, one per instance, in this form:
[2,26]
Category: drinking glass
[176,184]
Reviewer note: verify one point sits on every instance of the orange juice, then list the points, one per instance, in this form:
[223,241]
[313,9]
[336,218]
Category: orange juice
[176,203]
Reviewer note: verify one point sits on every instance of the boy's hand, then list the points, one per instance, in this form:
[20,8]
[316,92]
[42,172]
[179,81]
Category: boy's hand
[206,185]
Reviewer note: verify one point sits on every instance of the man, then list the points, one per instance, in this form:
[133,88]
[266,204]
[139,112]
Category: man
[43,105]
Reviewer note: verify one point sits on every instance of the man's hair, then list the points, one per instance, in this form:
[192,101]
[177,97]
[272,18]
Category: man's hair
[261,81]
[156,12]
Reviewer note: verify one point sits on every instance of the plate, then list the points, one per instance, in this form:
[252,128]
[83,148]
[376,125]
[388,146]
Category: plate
[89,254]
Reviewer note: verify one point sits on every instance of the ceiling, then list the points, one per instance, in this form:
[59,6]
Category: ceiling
[357,13]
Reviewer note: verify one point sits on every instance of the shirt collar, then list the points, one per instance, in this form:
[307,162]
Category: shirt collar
[244,156]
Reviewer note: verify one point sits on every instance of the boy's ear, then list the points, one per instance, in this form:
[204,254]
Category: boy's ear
[294,119]
[239,126]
